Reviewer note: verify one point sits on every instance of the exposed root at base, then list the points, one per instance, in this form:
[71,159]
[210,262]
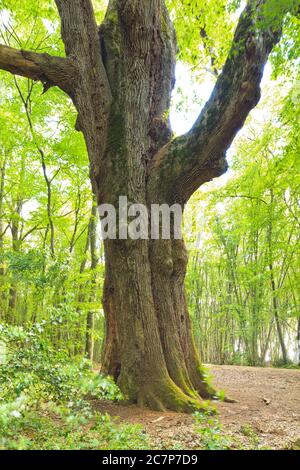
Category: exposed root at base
[167,396]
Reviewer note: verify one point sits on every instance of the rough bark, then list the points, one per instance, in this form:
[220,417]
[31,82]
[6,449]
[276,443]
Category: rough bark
[122,89]
[50,70]
[91,94]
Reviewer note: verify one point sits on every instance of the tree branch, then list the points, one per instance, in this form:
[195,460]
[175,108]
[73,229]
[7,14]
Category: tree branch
[188,161]
[51,71]
[92,97]
[80,35]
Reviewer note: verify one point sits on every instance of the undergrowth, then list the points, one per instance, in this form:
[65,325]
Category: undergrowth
[208,427]
[44,398]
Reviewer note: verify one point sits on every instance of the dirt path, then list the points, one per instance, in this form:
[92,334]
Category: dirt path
[268,402]
[267,412]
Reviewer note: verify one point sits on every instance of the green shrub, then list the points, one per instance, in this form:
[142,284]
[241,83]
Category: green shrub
[32,366]
[44,398]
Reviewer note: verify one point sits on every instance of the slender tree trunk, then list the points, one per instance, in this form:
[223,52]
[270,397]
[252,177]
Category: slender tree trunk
[2,183]
[3,293]
[89,344]
[298,341]
[26,100]
[12,295]
[273,283]
[266,344]
[48,182]
[276,316]
[16,242]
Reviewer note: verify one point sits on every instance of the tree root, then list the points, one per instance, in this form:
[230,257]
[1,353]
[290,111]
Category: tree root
[167,396]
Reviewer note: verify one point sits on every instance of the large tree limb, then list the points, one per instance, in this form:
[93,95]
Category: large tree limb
[81,39]
[92,97]
[51,71]
[186,162]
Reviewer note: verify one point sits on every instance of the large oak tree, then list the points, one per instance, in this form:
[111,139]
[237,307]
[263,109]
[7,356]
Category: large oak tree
[120,76]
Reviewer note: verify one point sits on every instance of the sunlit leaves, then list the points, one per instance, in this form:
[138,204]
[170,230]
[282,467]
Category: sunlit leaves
[32,25]
[204,31]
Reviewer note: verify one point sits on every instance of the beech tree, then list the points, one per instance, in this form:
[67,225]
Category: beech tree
[120,76]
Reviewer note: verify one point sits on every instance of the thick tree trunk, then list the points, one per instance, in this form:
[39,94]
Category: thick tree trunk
[149,347]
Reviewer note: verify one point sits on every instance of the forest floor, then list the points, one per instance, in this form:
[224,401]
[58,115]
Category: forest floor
[266,415]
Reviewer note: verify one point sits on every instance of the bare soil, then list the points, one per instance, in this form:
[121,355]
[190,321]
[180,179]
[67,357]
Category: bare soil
[266,415]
